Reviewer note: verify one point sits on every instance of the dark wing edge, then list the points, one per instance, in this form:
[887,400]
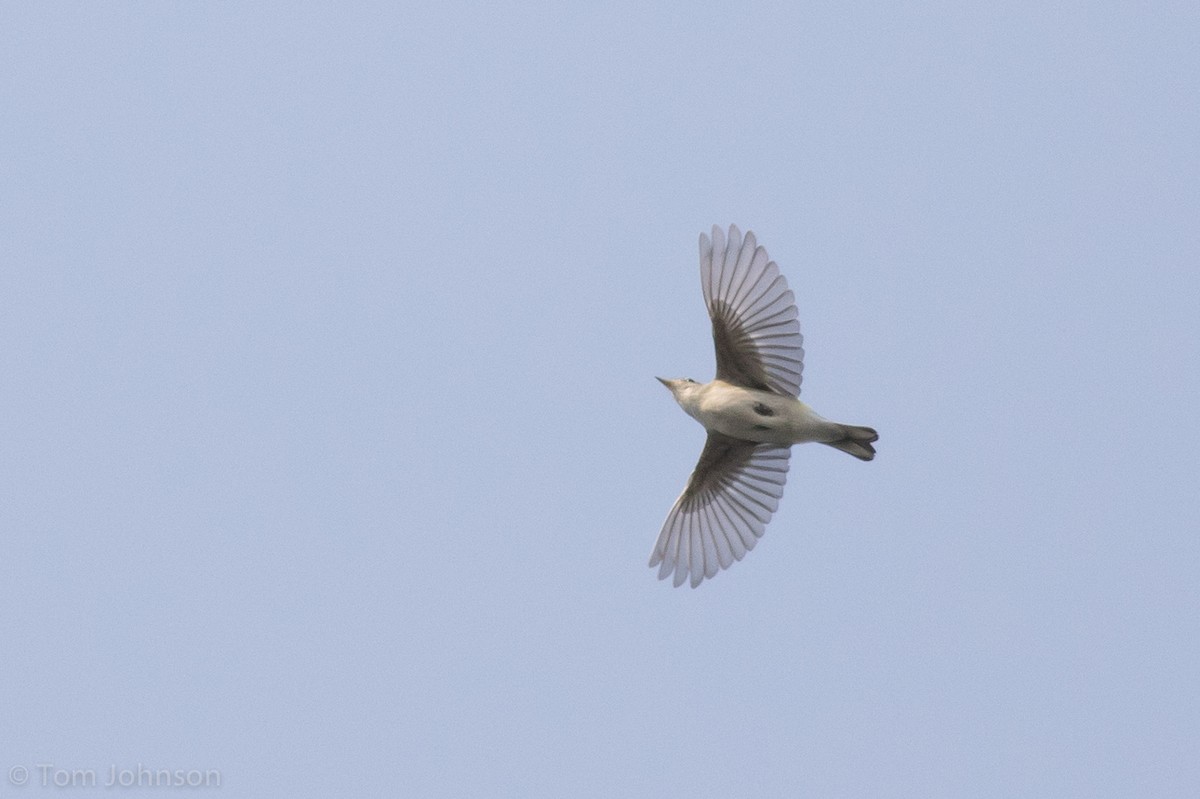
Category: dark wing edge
[729,499]
[756,331]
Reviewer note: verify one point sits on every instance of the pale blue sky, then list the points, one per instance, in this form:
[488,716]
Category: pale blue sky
[331,453]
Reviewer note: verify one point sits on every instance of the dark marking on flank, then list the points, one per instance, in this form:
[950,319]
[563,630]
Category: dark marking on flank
[761,427]
[762,409]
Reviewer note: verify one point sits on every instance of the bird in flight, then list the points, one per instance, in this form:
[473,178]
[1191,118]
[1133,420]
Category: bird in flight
[750,410]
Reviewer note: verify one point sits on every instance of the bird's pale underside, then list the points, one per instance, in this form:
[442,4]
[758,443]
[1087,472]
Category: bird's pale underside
[750,410]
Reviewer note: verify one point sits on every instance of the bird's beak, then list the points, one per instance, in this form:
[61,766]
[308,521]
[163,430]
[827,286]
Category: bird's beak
[664,381]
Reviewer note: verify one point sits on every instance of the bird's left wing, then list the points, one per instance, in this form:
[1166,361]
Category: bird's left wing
[724,510]
[753,313]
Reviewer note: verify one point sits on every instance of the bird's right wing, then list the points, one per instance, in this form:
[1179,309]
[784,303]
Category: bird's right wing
[753,313]
[724,510]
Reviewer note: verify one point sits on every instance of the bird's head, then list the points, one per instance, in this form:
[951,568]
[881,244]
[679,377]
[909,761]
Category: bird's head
[679,387]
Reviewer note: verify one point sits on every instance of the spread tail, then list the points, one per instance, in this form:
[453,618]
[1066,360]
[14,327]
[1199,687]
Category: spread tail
[856,441]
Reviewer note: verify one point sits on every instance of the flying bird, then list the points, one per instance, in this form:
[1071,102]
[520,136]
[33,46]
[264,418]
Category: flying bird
[751,411]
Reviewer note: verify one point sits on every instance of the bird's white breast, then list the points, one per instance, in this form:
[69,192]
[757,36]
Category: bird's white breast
[753,415]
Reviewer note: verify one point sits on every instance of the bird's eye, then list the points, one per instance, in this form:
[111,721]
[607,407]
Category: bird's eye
[690,380]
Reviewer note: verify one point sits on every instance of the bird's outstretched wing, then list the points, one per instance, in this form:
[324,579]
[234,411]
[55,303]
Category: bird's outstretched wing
[753,313]
[723,511]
